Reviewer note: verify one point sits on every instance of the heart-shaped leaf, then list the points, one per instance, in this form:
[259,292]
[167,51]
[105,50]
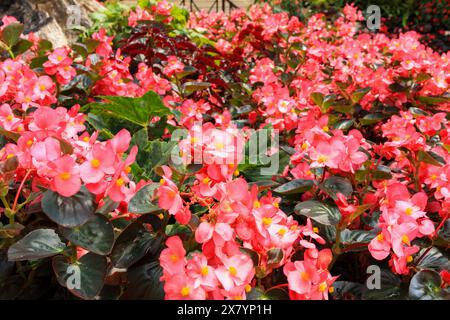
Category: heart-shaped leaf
[323,213]
[69,211]
[433,259]
[11,33]
[96,235]
[142,200]
[335,184]
[84,278]
[144,283]
[431,158]
[425,285]
[135,241]
[38,244]
[295,186]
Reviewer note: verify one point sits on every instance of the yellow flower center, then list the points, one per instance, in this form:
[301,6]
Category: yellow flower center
[127,170]
[409,259]
[174,258]
[65,176]
[380,237]
[267,221]
[325,128]
[248,288]
[119,182]
[204,271]
[86,139]
[281,232]
[256,204]
[433,177]
[162,182]
[95,163]
[409,211]
[29,143]
[9,117]
[304,146]
[232,270]
[316,230]
[331,289]
[206,180]
[236,172]
[405,239]
[322,159]
[323,286]
[9,156]
[185,291]
[59,58]
[219,145]
[305,276]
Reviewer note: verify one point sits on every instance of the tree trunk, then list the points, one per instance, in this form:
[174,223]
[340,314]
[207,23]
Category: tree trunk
[51,19]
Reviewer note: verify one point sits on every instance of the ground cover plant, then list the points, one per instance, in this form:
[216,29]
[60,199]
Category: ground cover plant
[224,156]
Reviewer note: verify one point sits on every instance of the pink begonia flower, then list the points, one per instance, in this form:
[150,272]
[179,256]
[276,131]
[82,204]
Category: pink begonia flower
[181,287]
[172,259]
[66,176]
[380,246]
[120,142]
[173,66]
[169,197]
[198,269]
[7,118]
[327,154]
[237,270]
[99,161]
[104,48]
[120,187]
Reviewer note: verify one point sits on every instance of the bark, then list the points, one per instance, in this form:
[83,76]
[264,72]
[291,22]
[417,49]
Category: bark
[51,19]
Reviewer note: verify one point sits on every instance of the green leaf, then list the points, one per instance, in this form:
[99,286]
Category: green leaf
[418,112]
[9,134]
[389,288]
[38,244]
[357,95]
[270,294]
[425,285]
[335,184]
[434,259]
[135,241]
[11,33]
[371,118]
[154,154]
[295,186]
[96,235]
[69,211]
[144,282]
[396,87]
[142,200]
[323,213]
[91,269]
[432,100]
[191,87]
[274,256]
[356,236]
[22,46]
[430,157]
[135,110]
[344,125]
[346,290]
[317,98]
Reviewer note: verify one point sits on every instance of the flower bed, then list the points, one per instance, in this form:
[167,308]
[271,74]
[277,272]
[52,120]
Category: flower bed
[240,156]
